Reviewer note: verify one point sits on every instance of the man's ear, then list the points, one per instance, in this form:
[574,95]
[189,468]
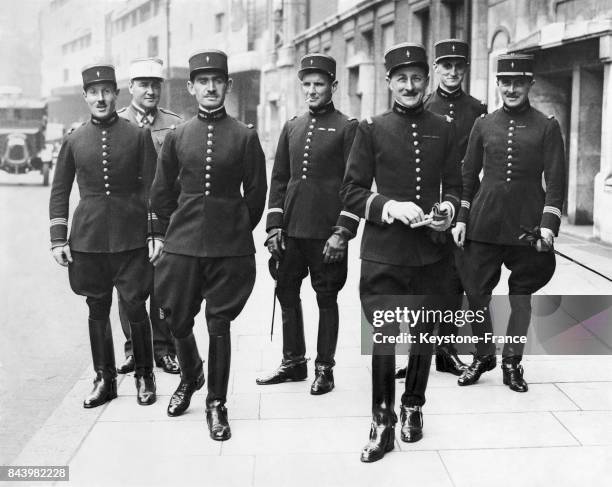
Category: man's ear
[334,86]
[190,88]
[230,83]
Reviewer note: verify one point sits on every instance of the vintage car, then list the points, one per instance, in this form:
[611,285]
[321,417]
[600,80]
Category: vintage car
[22,136]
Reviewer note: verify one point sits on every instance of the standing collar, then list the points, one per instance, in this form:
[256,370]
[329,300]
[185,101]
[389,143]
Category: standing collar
[450,95]
[328,108]
[209,115]
[407,112]
[105,122]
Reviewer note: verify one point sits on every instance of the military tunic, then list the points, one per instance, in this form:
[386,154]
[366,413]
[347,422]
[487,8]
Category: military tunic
[113,162]
[160,122]
[209,246]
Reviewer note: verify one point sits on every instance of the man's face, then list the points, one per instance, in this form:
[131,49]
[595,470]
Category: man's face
[210,88]
[318,89]
[101,99]
[145,92]
[514,90]
[407,85]
[451,72]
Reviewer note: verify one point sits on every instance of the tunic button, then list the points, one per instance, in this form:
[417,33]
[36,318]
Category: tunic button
[107,193]
[414,125]
[210,127]
[103,139]
[304,169]
[104,154]
[107,185]
[207,185]
[104,161]
[308,141]
[303,176]
[508,180]
[452,112]
[417,160]
[208,159]
[210,136]
[416,142]
[511,121]
[305,154]
[418,179]
[306,147]
[104,146]
[509,164]
[451,105]
[206,193]
[209,142]
[509,171]
[418,169]
[104,132]
[309,134]
[510,134]
[418,188]
[313,120]
[509,149]
[414,134]
[105,169]
[207,176]
[418,196]
[305,162]
[208,167]
[209,151]
[510,129]
[509,141]
[509,156]
[311,127]
[105,177]
[417,151]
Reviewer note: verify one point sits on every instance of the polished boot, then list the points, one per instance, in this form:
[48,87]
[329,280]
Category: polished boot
[513,376]
[142,345]
[219,359]
[127,366]
[382,430]
[480,365]
[168,363]
[412,423]
[327,339]
[447,360]
[103,356]
[293,367]
[192,375]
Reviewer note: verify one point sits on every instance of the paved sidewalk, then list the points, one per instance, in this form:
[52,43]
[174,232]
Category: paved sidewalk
[558,434]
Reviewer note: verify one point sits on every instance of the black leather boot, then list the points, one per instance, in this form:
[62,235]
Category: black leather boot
[327,339]
[293,367]
[480,365]
[447,360]
[192,374]
[103,356]
[127,366]
[382,430]
[513,376]
[412,423]
[142,345]
[219,359]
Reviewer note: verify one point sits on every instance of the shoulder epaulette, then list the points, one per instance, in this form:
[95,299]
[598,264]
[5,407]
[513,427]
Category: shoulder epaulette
[293,118]
[169,112]
[369,120]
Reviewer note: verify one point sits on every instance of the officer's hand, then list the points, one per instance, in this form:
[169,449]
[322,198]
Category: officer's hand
[276,243]
[335,247]
[441,222]
[405,211]
[62,255]
[545,244]
[459,234]
[156,247]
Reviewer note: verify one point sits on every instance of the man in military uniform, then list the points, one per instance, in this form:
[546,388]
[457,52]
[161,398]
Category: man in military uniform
[449,99]
[113,162]
[146,77]
[409,152]
[208,244]
[307,228]
[513,147]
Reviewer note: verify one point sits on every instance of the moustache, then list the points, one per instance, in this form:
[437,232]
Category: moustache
[410,93]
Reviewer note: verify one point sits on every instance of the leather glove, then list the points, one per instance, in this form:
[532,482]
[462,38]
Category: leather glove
[276,243]
[336,245]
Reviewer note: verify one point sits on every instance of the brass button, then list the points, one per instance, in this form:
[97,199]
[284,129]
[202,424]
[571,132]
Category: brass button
[107,185]
[207,185]
[508,180]
[509,164]
[309,134]
[417,151]
[306,147]
[418,188]
[104,161]
[209,151]
[207,176]
[104,132]
[418,196]
[305,162]
[417,160]
[210,127]
[304,169]
[104,154]
[418,178]
[414,125]
[107,193]
[104,146]
[418,169]
[208,167]
[209,142]
[105,169]
[308,141]
[210,136]
[311,127]
[305,154]
[414,134]
[103,139]
[105,177]
[509,156]
[206,193]
[303,176]
[313,120]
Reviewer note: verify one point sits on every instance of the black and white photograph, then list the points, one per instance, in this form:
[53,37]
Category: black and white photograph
[296,243]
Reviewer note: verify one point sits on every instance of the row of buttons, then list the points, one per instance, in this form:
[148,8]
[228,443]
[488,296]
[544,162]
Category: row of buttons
[105,151]
[417,161]
[509,150]
[307,148]
[208,159]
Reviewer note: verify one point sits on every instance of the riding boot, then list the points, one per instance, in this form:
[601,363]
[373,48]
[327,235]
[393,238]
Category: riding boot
[293,367]
[327,340]
[219,359]
[192,374]
[103,356]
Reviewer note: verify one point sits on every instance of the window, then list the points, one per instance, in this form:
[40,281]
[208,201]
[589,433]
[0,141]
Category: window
[153,46]
[349,49]
[368,42]
[424,21]
[66,75]
[219,20]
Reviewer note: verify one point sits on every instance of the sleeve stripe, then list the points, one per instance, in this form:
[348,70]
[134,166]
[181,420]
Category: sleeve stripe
[275,210]
[58,221]
[349,215]
[466,204]
[555,211]
[368,204]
